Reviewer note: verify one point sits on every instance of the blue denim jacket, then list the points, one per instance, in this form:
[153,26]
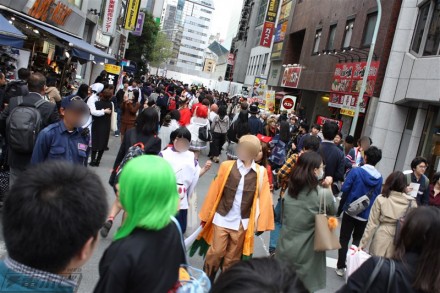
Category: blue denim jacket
[55,142]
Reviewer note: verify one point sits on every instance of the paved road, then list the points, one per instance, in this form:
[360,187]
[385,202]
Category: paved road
[90,270]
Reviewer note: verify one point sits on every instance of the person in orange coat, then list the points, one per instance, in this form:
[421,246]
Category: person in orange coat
[238,205]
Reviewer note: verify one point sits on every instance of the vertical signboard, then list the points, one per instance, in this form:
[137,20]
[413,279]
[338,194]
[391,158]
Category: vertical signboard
[110,16]
[269,24]
[281,29]
[139,25]
[131,15]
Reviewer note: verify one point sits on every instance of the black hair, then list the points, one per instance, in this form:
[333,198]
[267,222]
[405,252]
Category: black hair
[259,275]
[305,126]
[147,122]
[284,131]
[420,235]
[349,139]
[83,91]
[51,81]
[23,74]
[36,82]
[242,124]
[330,130]
[396,181]
[340,134]
[311,143]
[175,114]
[303,175]
[135,95]
[435,177]
[222,112]
[316,126]
[373,155]
[181,132]
[103,73]
[417,161]
[50,215]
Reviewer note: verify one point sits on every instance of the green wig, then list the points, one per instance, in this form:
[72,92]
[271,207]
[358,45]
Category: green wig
[148,193]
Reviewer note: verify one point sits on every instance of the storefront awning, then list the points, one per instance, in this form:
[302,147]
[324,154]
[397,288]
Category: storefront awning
[80,48]
[10,35]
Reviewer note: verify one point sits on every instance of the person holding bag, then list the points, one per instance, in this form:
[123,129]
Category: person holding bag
[220,125]
[296,244]
[387,210]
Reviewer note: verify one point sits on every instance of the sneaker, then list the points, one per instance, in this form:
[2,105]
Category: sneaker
[340,272]
[106,228]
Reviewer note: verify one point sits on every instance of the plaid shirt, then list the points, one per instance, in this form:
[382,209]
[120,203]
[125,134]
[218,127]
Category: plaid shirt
[284,172]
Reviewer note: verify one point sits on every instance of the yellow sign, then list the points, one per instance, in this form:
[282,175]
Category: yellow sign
[347,112]
[113,69]
[270,101]
[131,15]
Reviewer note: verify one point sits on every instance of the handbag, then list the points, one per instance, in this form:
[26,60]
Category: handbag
[400,223]
[360,204]
[191,280]
[377,270]
[114,119]
[325,239]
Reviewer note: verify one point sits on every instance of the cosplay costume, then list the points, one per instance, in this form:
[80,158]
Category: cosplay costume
[234,210]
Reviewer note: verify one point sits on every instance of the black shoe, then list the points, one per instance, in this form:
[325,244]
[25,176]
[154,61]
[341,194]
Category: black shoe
[106,228]
[92,164]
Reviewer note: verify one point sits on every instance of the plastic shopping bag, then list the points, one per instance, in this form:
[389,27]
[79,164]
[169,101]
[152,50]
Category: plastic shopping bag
[191,238]
[193,217]
[355,258]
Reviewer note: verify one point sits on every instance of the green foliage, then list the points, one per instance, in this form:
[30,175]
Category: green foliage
[163,49]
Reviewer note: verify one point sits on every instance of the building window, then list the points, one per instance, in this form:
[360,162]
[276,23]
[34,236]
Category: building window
[421,28]
[262,12]
[348,33]
[331,37]
[263,68]
[317,41]
[77,3]
[432,44]
[369,29]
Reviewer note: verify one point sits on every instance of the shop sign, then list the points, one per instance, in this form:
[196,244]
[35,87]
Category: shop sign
[286,8]
[102,39]
[121,50]
[280,32]
[347,102]
[347,112]
[321,120]
[267,101]
[113,69]
[288,103]
[272,10]
[348,77]
[291,76]
[50,12]
[140,25]
[267,34]
[131,15]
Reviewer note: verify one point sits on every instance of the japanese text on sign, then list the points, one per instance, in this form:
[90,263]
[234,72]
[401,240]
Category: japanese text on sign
[45,10]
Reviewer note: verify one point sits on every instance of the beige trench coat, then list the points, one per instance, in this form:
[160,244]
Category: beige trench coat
[381,226]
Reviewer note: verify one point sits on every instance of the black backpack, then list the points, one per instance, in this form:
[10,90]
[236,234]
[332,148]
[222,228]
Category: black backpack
[23,125]
[204,134]
[15,89]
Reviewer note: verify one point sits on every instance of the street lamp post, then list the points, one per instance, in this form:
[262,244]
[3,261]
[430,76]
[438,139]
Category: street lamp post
[367,69]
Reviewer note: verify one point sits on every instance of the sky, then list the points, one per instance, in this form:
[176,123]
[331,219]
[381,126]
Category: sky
[224,9]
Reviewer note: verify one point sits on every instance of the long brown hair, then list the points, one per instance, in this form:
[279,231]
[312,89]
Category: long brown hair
[265,150]
[420,235]
[395,182]
[303,174]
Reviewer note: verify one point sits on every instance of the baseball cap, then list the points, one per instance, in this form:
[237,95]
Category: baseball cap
[74,103]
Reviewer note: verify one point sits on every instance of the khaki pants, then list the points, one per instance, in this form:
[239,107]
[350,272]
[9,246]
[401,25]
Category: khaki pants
[227,244]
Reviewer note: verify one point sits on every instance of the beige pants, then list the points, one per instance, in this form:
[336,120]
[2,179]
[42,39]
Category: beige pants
[227,245]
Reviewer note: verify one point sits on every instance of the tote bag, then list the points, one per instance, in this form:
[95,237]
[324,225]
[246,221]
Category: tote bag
[114,119]
[325,239]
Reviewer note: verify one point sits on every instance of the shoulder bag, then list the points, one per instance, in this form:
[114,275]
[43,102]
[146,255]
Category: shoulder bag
[360,204]
[376,272]
[325,238]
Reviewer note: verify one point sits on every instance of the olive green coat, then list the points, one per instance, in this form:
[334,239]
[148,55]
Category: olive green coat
[296,242]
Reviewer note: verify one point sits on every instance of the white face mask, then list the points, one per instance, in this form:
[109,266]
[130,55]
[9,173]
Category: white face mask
[320,176]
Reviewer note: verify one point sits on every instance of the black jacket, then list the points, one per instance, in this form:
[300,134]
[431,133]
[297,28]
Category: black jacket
[403,277]
[49,115]
[255,125]
[334,160]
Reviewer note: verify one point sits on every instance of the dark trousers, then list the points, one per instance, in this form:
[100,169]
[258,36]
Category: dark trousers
[218,140]
[350,226]
[182,218]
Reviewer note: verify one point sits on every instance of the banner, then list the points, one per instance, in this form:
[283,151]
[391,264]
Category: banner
[291,77]
[139,25]
[269,101]
[272,10]
[110,16]
[113,69]
[131,15]
[267,34]
[280,32]
[347,78]
[321,120]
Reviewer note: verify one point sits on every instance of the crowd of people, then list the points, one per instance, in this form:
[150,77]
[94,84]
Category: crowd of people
[55,207]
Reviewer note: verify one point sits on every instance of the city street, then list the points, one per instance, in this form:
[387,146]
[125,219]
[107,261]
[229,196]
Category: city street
[90,271]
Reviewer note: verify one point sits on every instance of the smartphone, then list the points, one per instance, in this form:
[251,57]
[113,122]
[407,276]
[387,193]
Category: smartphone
[130,95]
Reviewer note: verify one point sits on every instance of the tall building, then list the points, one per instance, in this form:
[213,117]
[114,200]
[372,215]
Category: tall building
[154,7]
[233,23]
[407,117]
[187,24]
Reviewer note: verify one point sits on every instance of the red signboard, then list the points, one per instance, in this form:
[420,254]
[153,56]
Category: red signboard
[321,120]
[267,34]
[348,77]
[231,58]
[291,76]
